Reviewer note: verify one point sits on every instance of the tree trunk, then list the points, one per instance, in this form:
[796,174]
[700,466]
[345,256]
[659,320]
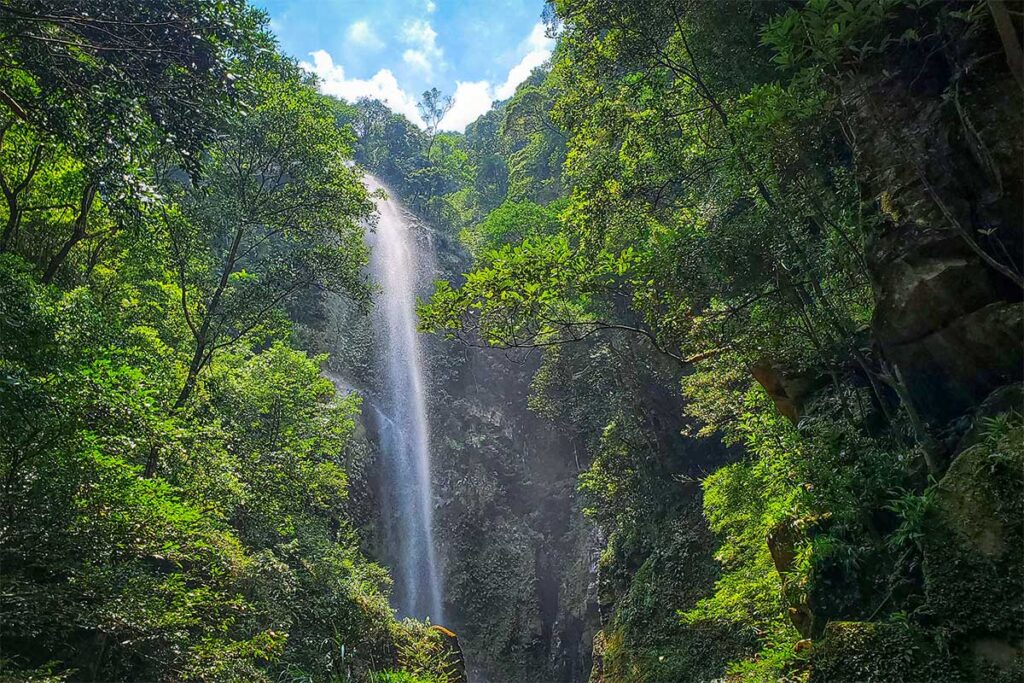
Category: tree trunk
[81,223]
[152,462]
[1009,36]
[13,193]
[930,448]
[94,257]
[13,220]
[202,336]
[193,374]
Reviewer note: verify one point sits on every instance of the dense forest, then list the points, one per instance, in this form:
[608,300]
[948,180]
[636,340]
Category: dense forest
[724,353]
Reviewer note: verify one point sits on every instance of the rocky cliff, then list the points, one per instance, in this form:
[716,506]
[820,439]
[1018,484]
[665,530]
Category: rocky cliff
[519,561]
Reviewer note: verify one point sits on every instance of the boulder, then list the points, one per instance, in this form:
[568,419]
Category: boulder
[925,283]
[788,391]
[455,670]
[946,320]
[1003,400]
[873,652]
[955,366]
[974,541]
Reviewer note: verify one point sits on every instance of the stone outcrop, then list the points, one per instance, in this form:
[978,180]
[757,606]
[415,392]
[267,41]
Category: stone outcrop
[456,669]
[974,543]
[939,149]
[971,623]
[789,392]
[945,320]
[871,652]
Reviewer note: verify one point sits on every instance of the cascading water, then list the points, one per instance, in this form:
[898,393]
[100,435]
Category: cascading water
[402,421]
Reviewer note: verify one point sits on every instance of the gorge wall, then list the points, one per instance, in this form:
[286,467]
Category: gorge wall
[517,560]
[838,297]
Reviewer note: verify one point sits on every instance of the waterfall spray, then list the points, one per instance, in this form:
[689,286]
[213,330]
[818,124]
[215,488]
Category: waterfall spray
[403,428]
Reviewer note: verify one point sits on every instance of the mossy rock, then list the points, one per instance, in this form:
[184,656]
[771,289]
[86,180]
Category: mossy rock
[994,660]
[646,640]
[970,627]
[973,545]
[597,672]
[872,652]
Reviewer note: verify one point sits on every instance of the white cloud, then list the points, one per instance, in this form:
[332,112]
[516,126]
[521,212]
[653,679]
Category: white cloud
[382,86]
[362,34]
[470,101]
[420,32]
[419,61]
[538,48]
[431,6]
[473,99]
[424,52]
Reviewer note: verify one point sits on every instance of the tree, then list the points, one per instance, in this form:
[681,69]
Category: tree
[278,213]
[169,183]
[510,223]
[102,89]
[119,72]
[433,106]
[535,144]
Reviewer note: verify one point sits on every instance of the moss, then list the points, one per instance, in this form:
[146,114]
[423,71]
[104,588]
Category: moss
[974,546]
[969,627]
[597,672]
[423,654]
[870,652]
[647,640]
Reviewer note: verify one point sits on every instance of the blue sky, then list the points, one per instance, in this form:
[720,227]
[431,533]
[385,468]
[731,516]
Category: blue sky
[395,49]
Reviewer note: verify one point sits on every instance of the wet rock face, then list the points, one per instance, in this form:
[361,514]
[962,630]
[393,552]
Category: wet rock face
[515,547]
[946,171]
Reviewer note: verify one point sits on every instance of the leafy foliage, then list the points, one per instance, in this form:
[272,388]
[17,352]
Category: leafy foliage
[713,209]
[174,469]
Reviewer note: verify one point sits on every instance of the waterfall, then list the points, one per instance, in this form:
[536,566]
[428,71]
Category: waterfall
[402,420]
